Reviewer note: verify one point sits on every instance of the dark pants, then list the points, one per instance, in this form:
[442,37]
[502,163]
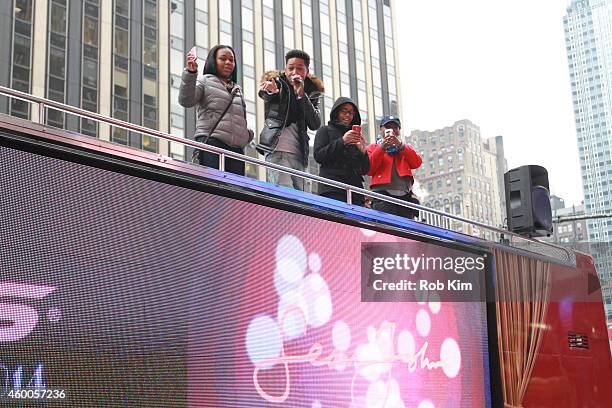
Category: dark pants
[210,159]
[395,209]
[357,199]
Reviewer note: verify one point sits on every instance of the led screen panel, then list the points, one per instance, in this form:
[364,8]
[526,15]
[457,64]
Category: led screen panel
[124,291]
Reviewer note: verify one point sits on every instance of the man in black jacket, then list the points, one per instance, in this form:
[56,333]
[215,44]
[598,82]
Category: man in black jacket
[291,106]
[341,151]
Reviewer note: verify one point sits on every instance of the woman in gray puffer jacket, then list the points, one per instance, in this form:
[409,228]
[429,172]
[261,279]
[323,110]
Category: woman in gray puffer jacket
[211,94]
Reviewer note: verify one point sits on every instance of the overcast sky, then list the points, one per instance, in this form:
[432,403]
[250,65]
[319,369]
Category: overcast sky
[500,64]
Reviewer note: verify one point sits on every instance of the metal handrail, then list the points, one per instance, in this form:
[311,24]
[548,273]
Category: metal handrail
[47,103]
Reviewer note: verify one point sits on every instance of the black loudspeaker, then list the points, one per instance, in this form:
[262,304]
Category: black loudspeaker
[528,201]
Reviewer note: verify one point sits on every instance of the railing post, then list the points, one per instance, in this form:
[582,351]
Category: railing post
[221,161]
[41,113]
[349,196]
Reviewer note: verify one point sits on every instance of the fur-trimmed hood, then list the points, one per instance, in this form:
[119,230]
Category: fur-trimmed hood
[312,82]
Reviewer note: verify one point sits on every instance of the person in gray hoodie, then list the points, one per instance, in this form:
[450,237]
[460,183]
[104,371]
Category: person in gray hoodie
[211,94]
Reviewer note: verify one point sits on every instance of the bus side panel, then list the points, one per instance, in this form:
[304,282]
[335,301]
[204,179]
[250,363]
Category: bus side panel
[572,376]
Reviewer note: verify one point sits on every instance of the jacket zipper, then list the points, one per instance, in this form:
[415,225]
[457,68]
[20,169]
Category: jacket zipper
[288,107]
[286,115]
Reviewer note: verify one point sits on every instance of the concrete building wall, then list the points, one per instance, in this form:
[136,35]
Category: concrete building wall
[459,174]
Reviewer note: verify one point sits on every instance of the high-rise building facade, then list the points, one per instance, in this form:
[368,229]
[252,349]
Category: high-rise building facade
[462,173]
[124,58]
[588,37]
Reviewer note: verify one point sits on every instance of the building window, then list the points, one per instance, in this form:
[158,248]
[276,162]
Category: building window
[288,32]
[326,59]
[268,34]
[343,48]
[90,57]
[22,49]
[121,58]
[359,53]
[249,82]
[374,34]
[56,63]
[149,74]
[201,29]
[225,22]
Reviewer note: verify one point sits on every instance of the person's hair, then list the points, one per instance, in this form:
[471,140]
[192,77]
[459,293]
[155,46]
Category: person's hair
[210,66]
[298,54]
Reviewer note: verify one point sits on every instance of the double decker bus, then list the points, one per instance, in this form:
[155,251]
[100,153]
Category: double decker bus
[131,279]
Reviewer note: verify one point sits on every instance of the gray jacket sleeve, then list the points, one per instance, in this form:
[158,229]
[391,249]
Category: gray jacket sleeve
[191,90]
[312,113]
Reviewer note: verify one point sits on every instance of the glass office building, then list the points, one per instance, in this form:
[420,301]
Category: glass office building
[124,58]
[588,37]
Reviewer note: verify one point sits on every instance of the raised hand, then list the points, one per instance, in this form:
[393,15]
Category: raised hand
[269,87]
[192,65]
[298,85]
[390,139]
[351,137]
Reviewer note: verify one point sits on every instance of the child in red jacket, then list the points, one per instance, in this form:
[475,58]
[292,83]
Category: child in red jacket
[391,165]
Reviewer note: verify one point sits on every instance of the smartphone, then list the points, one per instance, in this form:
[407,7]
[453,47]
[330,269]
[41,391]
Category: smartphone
[357,128]
[389,133]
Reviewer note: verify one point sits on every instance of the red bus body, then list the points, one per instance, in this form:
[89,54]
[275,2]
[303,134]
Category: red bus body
[573,367]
